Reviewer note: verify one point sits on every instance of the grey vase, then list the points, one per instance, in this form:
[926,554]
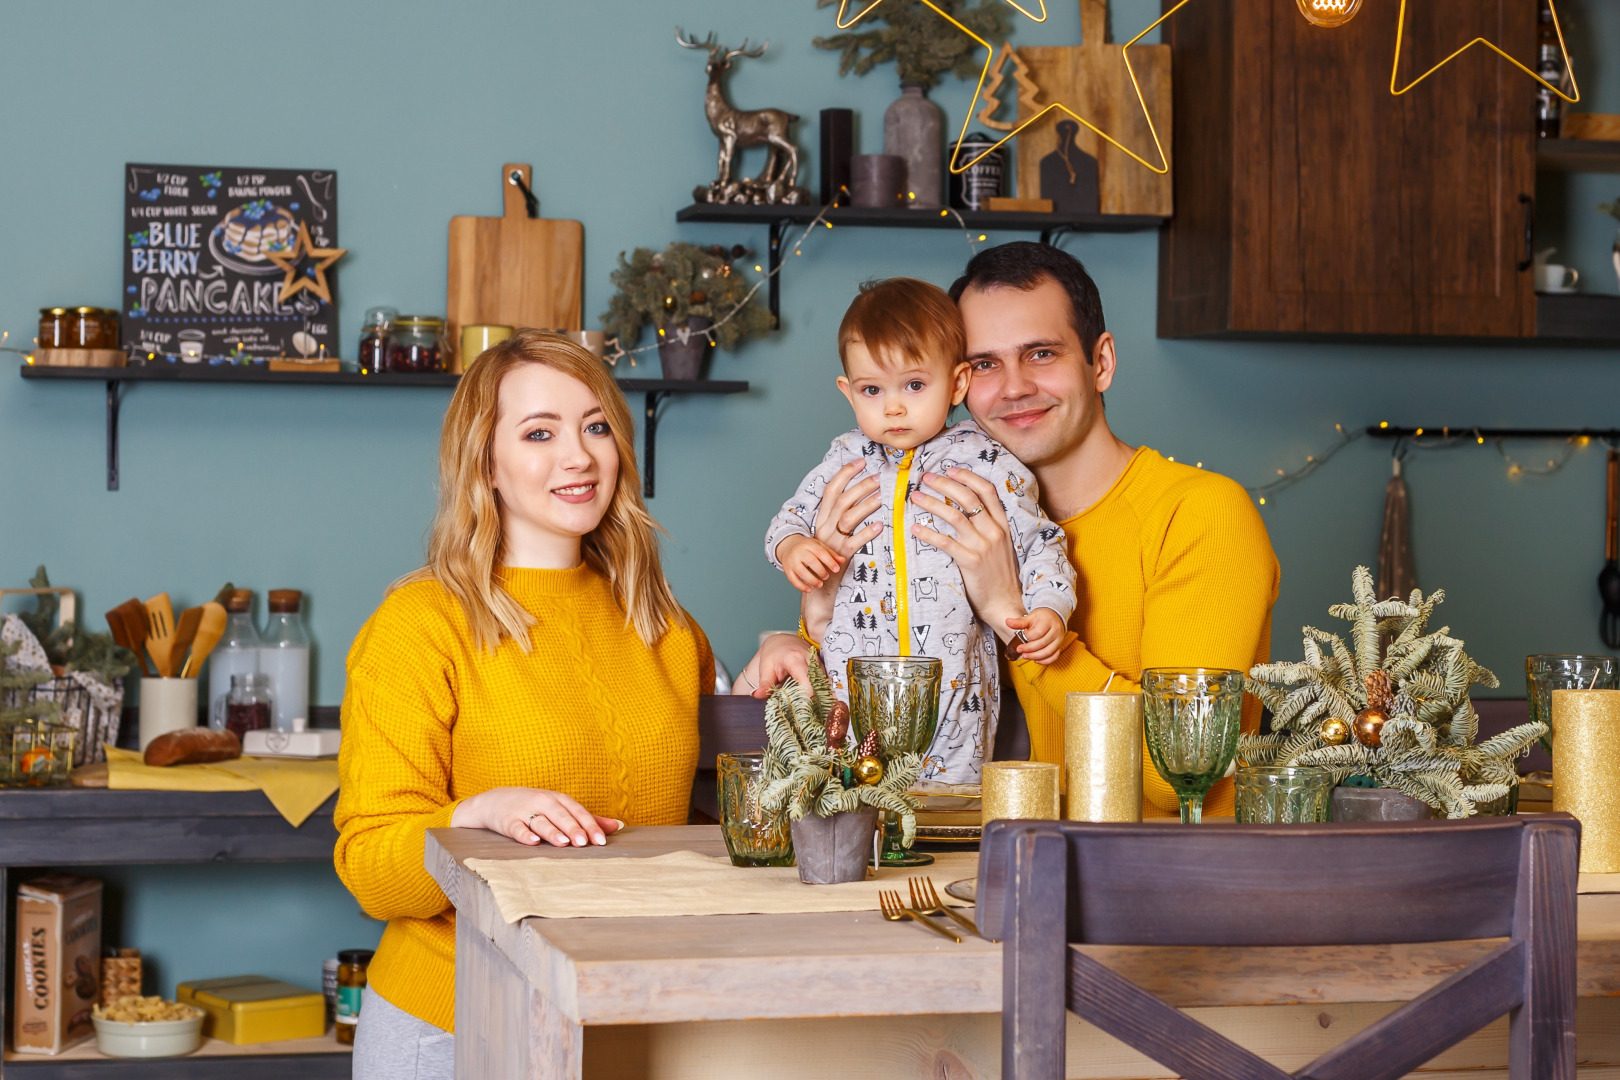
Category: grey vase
[836,849]
[1376,804]
[684,359]
[913,128]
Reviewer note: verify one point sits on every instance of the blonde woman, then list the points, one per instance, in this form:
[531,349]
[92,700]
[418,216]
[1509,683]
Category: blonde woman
[536,678]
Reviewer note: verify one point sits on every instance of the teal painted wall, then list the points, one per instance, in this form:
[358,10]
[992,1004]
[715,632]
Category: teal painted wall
[417,104]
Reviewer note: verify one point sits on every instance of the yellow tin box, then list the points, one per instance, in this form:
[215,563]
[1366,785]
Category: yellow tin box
[246,1009]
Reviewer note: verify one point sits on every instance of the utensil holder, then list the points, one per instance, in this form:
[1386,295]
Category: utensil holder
[167,705]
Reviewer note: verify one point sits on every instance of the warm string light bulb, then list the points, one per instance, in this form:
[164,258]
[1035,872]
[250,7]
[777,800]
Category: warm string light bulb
[1329,13]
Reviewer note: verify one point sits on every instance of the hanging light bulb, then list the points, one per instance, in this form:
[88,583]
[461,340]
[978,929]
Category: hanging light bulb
[1329,12]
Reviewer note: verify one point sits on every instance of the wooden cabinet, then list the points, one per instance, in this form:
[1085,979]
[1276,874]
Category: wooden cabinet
[1312,203]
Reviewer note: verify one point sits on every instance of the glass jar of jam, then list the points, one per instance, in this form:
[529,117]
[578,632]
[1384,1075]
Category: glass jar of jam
[374,340]
[55,324]
[351,991]
[247,706]
[415,343]
[93,328]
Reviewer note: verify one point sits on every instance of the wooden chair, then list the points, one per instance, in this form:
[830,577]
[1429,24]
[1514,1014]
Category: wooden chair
[1043,884]
[727,724]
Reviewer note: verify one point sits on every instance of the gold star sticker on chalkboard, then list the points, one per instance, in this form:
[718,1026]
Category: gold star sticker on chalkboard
[312,277]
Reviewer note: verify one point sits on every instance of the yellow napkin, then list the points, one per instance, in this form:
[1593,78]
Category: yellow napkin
[295,787]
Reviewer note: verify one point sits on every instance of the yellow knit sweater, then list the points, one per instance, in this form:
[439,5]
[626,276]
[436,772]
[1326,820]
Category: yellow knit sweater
[430,719]
[1174,569]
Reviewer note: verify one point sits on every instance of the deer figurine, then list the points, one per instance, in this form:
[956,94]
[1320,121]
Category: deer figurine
[738,129]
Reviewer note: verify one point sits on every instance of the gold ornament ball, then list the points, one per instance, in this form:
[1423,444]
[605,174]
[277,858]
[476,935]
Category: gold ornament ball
[868,770]
[1334,732]
[1369,727]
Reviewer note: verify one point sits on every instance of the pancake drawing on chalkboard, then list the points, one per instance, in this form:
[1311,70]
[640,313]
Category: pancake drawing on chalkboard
[1069,174]
[246,235]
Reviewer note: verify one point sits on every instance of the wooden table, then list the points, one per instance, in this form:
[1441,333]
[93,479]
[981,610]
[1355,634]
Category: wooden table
[805,996]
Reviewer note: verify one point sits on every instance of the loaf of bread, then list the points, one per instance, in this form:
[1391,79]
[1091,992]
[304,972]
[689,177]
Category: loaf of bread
[192,746]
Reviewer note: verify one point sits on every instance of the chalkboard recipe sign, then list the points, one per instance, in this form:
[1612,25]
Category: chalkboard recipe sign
[199,280]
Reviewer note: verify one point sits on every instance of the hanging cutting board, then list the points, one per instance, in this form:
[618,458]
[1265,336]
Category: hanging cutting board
[514,270]
[1091,79]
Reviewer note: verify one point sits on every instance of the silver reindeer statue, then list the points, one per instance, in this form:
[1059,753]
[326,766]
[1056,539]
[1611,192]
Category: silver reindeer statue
[738,129]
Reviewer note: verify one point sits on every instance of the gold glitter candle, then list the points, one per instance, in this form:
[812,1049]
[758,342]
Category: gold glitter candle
[1020,789]
[1586,771]
[1102,757]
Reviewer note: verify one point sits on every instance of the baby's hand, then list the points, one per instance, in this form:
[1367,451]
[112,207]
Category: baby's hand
[1043,632]
[807,561]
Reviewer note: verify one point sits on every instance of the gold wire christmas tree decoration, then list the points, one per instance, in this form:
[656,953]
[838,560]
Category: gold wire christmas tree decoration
[1057,106]
[1400,32]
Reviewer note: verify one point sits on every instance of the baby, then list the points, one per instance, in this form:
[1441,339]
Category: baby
[902,347]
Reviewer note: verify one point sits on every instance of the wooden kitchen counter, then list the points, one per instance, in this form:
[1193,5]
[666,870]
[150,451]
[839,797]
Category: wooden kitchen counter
[790,996]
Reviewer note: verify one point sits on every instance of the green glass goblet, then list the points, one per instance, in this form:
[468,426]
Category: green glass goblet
[1191,718]
[898,697]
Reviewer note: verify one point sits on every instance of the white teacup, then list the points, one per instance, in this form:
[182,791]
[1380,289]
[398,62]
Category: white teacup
[1551,277]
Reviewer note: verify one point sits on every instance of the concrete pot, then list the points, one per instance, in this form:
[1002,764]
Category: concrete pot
[913,128]
[684,359]
[834,849]
[1376,804]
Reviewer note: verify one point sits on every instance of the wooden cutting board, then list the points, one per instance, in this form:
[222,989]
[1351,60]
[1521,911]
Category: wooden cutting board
[1091,80]
[514,270]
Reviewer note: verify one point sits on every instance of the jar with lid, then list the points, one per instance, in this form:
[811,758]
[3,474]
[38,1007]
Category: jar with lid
[284,658]
[93,328]
[248,706]
[374,340]
[415,343]
[236,654]
[55,326]
[351,991]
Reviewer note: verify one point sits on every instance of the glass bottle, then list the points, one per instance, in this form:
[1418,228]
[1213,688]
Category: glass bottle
[352,964]
[1550,66]
[374,340]
[284,658]
[236,654]
[248,707]
[415,343]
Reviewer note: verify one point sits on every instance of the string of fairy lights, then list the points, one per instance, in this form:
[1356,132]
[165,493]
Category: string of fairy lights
[1430,439]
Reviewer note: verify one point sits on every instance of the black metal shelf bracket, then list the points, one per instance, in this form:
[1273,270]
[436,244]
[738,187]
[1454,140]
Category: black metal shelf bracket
[114,400]
[773,264]
[649,440]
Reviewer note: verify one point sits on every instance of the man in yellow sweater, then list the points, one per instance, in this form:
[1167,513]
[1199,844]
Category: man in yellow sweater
[1173,564]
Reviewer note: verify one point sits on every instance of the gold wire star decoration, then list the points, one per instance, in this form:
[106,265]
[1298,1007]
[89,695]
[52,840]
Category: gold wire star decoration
[314,278]
[1400,31]
[1161,168]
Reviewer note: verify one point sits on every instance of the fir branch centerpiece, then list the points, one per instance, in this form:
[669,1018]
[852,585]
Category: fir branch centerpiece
[667,288]
[812,769]
[1398,713]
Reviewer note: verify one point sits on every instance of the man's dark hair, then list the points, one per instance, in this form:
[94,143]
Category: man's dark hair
[1023,265]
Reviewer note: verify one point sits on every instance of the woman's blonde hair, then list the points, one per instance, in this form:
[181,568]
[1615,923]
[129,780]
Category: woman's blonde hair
[465,545]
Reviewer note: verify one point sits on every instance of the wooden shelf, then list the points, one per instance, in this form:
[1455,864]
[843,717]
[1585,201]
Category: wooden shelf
[307,1059]
[113,378]
[1577,155]
[782,218]
[1578,319]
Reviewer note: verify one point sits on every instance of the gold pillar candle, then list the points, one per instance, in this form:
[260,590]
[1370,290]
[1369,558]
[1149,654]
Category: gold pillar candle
[1586,772]
[1020,789]
[1102,757]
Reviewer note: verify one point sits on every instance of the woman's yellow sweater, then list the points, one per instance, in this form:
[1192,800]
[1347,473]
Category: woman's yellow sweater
[430,719]
[1174,569]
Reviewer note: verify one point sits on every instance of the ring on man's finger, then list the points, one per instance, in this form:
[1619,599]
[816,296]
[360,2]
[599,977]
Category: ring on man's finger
[976,510]
[841,531]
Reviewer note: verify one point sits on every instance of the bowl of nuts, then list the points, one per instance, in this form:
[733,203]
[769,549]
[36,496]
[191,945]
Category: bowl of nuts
[147,1027]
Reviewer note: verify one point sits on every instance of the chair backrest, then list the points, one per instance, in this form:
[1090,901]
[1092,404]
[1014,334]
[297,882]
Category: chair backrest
[1044,884]
[727,724]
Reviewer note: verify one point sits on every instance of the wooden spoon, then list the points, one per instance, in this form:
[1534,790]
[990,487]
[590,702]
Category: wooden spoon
[185,628]
[160,635]
[132,616]
[209,630]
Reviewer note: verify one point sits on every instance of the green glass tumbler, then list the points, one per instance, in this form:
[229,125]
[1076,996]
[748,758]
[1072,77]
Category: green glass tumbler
[1280,795]
[898,697]
[1191,719]
[754,837]
[1546,672]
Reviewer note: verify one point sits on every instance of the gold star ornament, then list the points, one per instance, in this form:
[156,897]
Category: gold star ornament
[1400,33]
[312,277]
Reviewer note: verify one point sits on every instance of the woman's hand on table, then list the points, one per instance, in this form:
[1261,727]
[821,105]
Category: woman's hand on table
[530,816]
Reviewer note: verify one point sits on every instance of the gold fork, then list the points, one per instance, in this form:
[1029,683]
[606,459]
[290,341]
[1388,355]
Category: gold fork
[925,899]
[894,910]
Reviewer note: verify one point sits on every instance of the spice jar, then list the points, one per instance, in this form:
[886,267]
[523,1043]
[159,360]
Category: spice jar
[54,328]
[247,706]
[352,964]
[374,340]
[93,328]
[414,343]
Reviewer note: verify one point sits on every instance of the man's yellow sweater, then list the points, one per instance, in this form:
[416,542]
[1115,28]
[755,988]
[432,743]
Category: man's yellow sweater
[430,719]
[1174,569]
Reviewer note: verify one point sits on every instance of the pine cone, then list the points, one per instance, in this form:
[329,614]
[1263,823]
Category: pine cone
[869,746]
[1380,690]
[837,725]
